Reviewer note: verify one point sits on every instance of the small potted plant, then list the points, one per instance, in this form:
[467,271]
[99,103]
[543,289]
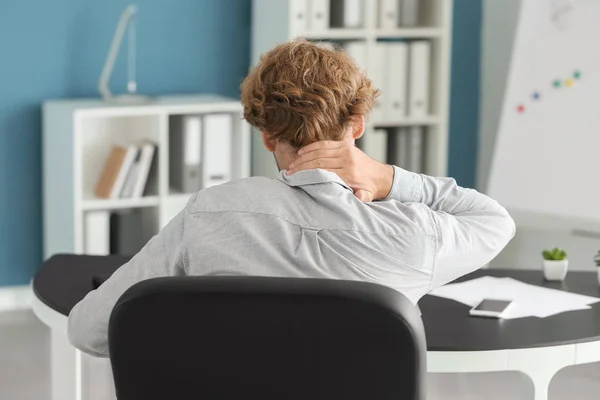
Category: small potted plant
[555,264]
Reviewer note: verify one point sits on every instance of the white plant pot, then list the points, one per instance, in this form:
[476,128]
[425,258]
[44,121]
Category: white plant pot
[598,270]
[556,270]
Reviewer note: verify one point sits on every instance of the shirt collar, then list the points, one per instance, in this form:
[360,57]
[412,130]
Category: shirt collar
[311,177]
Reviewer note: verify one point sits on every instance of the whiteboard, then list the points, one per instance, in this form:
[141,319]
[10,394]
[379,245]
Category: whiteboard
[547,155]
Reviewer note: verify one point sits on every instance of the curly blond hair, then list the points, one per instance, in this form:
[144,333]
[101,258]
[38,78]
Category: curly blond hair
[301,92]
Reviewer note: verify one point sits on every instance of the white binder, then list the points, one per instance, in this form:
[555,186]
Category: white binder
[97,233]
[217,131]
[358,52]
[299,17]
[378,74]
[374,144]
[420,51]
[318,15]
[397,64]
[185,149]
[398,147]
[415,149]
[389,14]
[409,12]
[347,13]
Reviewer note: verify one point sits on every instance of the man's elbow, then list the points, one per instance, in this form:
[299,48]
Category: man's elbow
[505,229]
[82,338]
[510,228]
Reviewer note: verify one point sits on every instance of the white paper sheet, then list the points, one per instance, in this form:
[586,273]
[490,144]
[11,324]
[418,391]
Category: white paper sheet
[529,300]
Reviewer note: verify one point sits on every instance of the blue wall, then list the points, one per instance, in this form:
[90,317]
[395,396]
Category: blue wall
[56,49]
[464,100]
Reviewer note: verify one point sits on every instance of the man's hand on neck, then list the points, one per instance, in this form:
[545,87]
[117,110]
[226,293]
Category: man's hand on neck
[370,179]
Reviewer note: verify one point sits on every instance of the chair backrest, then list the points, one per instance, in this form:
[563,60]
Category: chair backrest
[266,338]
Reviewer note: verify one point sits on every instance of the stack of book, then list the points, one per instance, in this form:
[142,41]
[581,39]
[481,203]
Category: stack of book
[126,171]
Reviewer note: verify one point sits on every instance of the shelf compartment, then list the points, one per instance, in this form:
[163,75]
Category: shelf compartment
[96,136]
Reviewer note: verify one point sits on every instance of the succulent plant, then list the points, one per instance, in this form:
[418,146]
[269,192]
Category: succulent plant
[556,254]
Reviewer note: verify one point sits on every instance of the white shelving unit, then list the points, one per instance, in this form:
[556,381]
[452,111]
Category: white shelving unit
[276,21]
[77,138]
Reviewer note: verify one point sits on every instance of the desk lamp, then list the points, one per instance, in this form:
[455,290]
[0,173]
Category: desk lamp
[126,22]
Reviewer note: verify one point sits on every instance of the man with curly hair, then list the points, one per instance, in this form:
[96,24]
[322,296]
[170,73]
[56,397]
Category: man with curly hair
[332,213]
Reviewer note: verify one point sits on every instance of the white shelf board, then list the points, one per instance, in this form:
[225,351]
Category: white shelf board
[176,195]
[337,33]
[402,33]
[172,105]
[94,203]
[432,120]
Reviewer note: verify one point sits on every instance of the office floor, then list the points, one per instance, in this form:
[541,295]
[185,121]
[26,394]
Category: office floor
[24,372]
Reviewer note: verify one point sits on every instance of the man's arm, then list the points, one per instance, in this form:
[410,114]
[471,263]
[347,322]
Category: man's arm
[471,228]
[161,256]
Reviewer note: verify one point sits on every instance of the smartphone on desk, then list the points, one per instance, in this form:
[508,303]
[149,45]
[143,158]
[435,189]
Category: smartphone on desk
[491,308]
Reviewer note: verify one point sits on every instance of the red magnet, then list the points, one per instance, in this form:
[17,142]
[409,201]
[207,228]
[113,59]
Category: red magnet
[521,108]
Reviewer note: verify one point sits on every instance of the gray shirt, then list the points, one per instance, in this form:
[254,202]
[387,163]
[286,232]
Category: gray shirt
[427,232]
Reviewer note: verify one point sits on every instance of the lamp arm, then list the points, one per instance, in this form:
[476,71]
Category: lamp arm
[126,17]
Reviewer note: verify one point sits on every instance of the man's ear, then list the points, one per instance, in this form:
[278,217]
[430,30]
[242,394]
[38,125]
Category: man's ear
[269,142]
[358,126]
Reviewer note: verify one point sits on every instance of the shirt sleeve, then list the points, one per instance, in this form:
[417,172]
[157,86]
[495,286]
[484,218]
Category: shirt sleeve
[161,256]
[470,227]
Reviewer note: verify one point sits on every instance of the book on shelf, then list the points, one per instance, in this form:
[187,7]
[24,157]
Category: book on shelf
[397,74]
[115,171]
[415,148]
[347,13]
[420,53]
[318,15]
[374,144]
[378,73]
[388,15]
[126,232]
[398,147]
[115,232]
[409,12]
[96,233]
[126,171]
[357,50]
[127,190]
[216,149]
[147,159]
[185,153]
[299,15]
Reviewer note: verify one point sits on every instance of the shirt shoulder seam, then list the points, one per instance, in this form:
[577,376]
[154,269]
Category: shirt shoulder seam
[316,228]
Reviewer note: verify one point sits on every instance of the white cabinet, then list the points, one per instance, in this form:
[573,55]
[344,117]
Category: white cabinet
[278,21]
[78,136]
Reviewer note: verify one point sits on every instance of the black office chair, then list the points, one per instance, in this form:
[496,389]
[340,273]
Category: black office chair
[266,339]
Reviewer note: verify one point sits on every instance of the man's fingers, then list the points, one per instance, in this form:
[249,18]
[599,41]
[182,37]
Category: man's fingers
[313,155]
[322,145]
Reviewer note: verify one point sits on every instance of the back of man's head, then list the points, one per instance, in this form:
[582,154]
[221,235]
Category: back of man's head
[301,93]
